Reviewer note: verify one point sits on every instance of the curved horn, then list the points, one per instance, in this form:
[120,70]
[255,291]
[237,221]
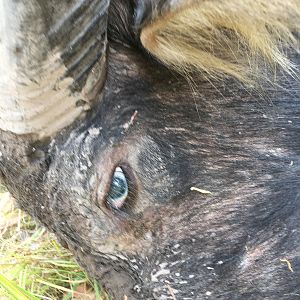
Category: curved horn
[52,62]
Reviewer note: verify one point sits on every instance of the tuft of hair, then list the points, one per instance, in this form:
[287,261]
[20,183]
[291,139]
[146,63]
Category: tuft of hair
[237,38]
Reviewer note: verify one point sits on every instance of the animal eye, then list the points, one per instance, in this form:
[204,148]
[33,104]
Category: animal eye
[118,191]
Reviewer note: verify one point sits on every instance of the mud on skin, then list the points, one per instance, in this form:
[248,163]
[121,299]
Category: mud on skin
[242,145]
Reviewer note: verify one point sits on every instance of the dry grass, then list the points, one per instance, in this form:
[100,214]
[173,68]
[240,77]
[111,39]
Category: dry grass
[33,265]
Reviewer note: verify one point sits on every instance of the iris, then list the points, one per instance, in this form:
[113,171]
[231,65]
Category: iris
[118,191]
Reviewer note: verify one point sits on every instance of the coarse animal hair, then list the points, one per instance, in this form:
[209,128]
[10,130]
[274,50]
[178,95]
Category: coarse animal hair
[237,38]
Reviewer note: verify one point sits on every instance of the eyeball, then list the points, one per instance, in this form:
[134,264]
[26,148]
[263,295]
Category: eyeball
[118,191]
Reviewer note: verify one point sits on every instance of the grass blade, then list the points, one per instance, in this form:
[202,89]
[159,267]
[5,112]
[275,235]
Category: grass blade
[15,291]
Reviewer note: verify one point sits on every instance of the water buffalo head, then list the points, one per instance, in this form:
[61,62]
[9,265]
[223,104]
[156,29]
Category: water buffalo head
[141,133]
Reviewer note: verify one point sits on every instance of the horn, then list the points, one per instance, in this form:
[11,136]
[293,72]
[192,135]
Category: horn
[52,62]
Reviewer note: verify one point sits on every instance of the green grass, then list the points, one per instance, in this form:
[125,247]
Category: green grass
[33,265]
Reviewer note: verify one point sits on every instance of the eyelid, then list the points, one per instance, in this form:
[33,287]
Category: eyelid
[126,208]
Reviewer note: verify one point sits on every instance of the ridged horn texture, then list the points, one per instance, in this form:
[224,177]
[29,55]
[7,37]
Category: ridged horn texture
[52,62]
[237,38]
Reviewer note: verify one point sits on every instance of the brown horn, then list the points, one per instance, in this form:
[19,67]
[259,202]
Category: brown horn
[52,62]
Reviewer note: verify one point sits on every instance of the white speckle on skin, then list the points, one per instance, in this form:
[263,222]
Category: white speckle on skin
[78,176]
[208,293]
[291,163]
[220,262]
[137,288]
[94,132]
[159,273]
[89,163]
[83,167]
[92,180]
[123,257]
[164,297]
[77,190]
[178,129]
[163,265]
[176,246]
[210,268]
[148,235]
[112,257]
[175,291]
[191,276]
[177,274]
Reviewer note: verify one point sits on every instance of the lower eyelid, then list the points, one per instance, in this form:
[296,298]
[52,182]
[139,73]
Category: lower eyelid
[117,203]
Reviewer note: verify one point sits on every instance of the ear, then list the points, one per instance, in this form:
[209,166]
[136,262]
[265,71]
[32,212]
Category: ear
[223,38]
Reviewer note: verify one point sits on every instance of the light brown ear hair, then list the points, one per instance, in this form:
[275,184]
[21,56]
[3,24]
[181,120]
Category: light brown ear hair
[225,37]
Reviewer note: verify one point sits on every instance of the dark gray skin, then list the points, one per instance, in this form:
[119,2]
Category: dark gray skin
[243,146]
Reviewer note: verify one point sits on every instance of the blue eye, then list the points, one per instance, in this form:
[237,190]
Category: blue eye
[118,191]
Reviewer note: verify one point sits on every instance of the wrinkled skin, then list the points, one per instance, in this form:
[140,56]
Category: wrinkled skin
[243,146]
